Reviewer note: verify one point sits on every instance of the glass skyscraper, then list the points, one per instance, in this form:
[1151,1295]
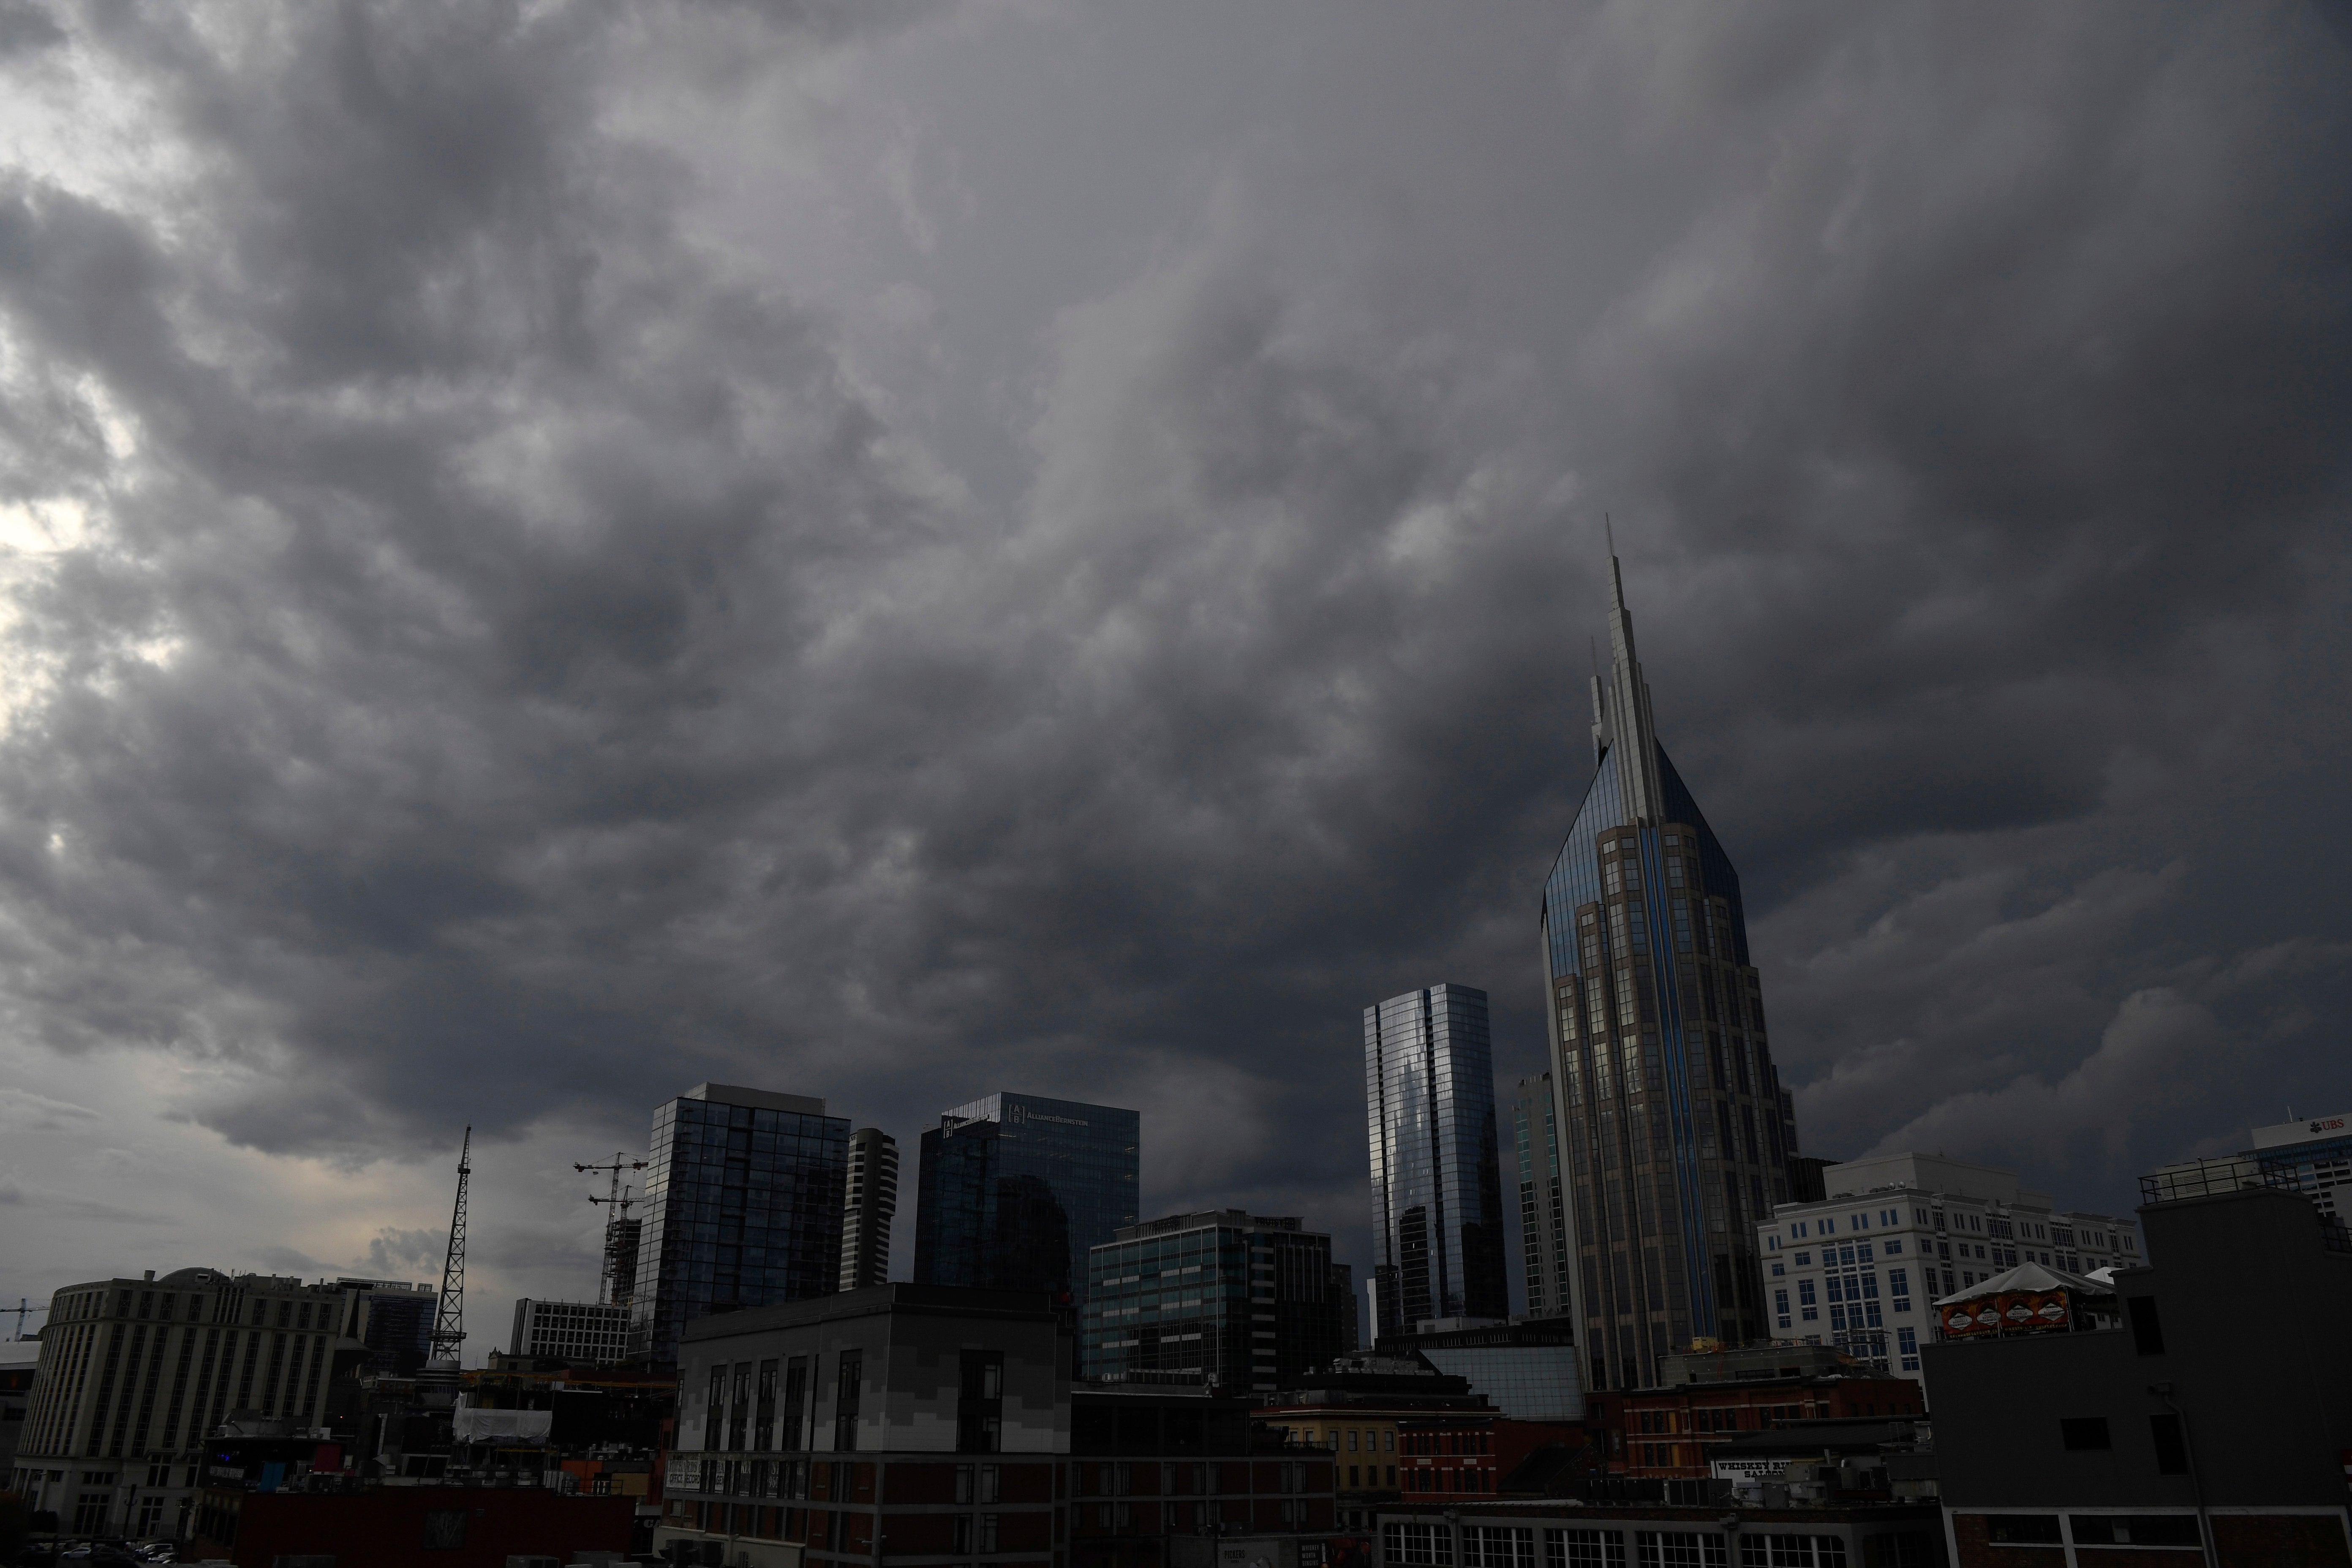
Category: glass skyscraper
[1429,1093]
[1678,1133]
[1014,1190]
[742,1208]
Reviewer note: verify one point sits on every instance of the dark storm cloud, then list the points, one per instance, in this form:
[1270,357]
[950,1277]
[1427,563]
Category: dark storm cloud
[517,666]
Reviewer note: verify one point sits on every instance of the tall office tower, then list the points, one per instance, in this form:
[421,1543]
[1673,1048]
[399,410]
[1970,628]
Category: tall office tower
[1679,1135]
[1429,1091]
[1225,1298]
[872,1205]
[1543,1200]
[1014,1190]
[742,1208]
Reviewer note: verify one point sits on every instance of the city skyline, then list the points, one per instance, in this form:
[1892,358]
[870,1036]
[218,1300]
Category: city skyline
[932,548]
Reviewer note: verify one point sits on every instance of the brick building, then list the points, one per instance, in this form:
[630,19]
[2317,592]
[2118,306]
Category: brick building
[1353,1409]
[1469,1455]
[1669,1432]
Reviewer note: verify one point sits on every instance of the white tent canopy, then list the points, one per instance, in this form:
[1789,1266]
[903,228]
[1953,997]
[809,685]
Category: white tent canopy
[2027,1276]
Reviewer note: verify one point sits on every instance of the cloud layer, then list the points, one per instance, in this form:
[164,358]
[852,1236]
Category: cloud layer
[558,552]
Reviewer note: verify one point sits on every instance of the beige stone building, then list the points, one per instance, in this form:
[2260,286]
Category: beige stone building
[135,1373]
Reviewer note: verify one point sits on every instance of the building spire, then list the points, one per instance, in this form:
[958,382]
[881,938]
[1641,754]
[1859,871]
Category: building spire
[1633,735]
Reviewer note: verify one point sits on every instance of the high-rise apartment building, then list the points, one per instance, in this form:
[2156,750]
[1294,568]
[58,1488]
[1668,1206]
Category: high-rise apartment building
[871,1206]
[1544,1248]
[1679,1133]
[742,1208]
[1437,1186]
[1223,1298]
[1015,1189]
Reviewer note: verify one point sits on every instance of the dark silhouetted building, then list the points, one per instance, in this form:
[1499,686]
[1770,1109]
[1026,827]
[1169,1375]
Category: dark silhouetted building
[2211,1424]
[1678,1132]
[1437,1186]
[1227,1298]
[742,1208]
[1015,1189]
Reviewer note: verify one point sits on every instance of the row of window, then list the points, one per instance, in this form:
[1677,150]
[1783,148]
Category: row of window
[1412,1544]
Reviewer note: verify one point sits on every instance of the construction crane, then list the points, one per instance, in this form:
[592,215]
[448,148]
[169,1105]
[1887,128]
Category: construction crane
[450,1322]
[608,1283]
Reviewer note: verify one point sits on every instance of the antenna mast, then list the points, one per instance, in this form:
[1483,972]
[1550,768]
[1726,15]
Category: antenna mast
[449,1323]
[609,1284]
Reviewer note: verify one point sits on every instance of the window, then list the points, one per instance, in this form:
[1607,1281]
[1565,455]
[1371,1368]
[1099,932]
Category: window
[1419,1545]
[1898,1285]
[1388,1442]
[1906,1344]
[1584,1548]
[1498,1546]
[849,1384]
[1779,1270]
[2133,1528]
[979,1403]
[1790,1551]
[2083,1434]
[1351,1440]
[1781,1307]
[1679,1549]
[1829,1225]
[445,1530]
[2172,1448]
[2148,1333]
[1894,1249]
[1799,1229]
[1805,1260]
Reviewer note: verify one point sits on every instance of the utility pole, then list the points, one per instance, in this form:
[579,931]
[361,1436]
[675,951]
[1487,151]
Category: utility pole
[450,1322]
[619,1202]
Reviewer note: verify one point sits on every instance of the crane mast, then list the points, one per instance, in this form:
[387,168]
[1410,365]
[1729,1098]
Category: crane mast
[449,1321]
[611,1287]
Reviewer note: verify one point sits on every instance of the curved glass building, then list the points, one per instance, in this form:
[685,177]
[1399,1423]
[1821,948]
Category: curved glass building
[1679,1135]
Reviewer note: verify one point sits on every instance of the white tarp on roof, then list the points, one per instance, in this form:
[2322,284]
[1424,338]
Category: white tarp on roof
[2028,1276]
[471,1426]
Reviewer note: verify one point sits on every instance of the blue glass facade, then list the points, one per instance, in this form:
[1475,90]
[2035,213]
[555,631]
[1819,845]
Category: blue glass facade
[1678,1133]
[742,1208]
[1014,1190]
[1437,1189]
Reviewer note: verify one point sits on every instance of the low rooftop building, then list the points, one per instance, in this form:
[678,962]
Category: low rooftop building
[2161,1433]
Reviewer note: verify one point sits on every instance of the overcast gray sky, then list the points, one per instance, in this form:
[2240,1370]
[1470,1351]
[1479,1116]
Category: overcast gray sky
[554,551]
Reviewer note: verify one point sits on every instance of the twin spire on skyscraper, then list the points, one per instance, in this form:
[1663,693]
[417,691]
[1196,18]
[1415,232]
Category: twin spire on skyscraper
[1621,708]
